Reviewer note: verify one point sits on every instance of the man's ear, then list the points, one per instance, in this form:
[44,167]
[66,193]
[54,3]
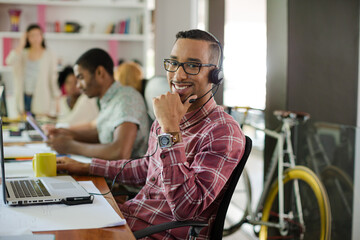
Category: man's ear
[100,74]
[100,70]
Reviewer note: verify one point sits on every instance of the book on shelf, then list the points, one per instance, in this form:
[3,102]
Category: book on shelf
[110,28]
[132,25]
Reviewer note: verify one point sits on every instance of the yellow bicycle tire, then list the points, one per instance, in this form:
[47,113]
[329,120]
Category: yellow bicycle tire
[309,177]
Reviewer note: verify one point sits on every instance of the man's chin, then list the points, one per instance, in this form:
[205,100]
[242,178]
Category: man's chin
[88,95]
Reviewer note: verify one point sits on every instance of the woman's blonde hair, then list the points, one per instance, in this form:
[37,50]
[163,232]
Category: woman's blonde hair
[130,74]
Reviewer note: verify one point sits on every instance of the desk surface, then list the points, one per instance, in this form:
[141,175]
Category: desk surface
[119,233]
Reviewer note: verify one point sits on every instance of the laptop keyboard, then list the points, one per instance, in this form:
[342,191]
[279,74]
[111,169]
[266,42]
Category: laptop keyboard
[29,188]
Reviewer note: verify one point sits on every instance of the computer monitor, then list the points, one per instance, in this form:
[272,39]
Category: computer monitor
[3,108]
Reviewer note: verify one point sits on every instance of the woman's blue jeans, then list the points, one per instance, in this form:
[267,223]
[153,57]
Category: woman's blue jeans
[27,101]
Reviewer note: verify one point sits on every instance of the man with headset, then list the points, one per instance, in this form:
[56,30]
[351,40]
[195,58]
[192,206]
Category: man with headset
[193,145]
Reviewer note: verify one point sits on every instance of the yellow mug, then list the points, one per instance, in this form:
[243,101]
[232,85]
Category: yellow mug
[44,164]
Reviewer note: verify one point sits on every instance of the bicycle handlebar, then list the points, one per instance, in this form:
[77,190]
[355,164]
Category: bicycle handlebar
[280,114]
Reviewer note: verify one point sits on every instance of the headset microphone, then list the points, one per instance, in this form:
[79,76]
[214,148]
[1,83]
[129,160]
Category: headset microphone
[194,100]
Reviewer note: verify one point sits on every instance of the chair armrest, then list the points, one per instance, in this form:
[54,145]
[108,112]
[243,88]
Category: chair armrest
[165,226]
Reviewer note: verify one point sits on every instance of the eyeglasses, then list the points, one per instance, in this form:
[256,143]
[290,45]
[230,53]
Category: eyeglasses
[191,68]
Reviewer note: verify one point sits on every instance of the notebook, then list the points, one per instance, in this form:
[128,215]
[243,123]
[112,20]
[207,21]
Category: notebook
[42,190]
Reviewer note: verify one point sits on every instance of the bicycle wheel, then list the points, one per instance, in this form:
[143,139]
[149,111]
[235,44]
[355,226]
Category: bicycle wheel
[238,210]
[331,176]
[340,189]
[315,208]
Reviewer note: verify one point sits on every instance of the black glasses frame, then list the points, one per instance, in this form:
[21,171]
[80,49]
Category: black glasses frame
[181,64]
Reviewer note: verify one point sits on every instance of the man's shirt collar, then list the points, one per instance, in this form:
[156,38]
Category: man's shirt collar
[110,93]
[193,117]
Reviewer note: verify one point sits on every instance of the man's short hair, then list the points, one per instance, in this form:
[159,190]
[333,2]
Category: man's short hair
[198,34]
[94,58]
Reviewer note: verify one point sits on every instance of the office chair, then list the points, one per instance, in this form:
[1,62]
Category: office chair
[196,226]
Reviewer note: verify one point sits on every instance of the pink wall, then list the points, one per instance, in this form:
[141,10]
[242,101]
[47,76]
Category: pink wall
[41,16]
[6,48]
[113,50]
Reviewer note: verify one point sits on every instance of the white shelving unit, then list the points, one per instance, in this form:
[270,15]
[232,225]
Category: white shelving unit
[80,3]
[81,36]
[94,16]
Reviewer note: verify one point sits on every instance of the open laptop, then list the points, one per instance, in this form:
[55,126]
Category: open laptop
[40,136]
[42,190]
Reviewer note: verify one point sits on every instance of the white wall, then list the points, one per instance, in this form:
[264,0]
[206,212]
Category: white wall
[356,198]
[171,16]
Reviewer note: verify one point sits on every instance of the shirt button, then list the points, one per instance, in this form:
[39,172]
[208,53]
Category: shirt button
[162,156]
[153,179]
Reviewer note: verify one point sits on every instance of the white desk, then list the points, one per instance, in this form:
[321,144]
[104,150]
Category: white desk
[24,169]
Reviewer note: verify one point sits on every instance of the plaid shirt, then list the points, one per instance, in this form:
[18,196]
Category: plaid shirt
[186,181]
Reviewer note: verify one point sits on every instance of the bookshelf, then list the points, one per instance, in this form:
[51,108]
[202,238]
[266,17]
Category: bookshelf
[95,17]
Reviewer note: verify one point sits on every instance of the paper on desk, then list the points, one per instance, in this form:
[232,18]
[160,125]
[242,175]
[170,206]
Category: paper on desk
[24,137]
[27,150]
[99,214]
[29,236]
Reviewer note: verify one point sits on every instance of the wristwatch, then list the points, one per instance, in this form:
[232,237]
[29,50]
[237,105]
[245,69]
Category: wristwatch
[167,140]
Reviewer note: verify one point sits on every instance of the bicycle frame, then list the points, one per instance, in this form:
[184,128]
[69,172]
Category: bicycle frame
[312,141]
[277,160]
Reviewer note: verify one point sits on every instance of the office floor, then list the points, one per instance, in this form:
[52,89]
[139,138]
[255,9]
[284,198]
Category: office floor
[254,167]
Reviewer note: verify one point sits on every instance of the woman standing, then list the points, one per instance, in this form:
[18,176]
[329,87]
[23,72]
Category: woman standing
[35,75]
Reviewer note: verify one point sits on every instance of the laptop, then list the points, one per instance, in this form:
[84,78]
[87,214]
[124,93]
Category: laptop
[40,136]
[42,190]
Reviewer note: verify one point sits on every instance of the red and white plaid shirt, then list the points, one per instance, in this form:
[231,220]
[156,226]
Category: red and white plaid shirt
[183,182]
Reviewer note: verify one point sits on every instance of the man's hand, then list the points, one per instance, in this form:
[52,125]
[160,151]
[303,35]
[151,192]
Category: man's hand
[60,141]
[47,128]
[52,131]
[65,164]
[169,111]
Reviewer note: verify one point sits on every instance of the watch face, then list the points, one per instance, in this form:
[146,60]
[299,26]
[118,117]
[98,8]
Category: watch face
[165,141]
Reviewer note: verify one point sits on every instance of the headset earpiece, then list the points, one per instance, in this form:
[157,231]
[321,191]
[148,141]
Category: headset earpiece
[216,76]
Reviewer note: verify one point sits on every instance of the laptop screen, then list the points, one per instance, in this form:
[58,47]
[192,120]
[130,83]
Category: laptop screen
[2,165]
[3,108]
[31,120]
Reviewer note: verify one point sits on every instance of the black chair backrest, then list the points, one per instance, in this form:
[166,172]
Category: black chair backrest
[218,225]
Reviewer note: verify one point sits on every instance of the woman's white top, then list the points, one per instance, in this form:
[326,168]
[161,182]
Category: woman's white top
[85,110]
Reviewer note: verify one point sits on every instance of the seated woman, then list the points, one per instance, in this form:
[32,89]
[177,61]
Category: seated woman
[74,107]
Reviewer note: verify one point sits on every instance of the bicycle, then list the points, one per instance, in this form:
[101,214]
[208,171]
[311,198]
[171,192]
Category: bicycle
[293,206]
[338,183]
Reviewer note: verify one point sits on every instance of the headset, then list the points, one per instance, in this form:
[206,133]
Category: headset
[216,75]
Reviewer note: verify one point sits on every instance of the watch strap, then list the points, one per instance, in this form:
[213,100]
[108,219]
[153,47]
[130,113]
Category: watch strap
[176,137]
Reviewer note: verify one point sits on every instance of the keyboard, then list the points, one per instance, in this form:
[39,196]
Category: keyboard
[29,188]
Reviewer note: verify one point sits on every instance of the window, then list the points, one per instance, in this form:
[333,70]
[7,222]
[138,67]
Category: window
[245,53]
